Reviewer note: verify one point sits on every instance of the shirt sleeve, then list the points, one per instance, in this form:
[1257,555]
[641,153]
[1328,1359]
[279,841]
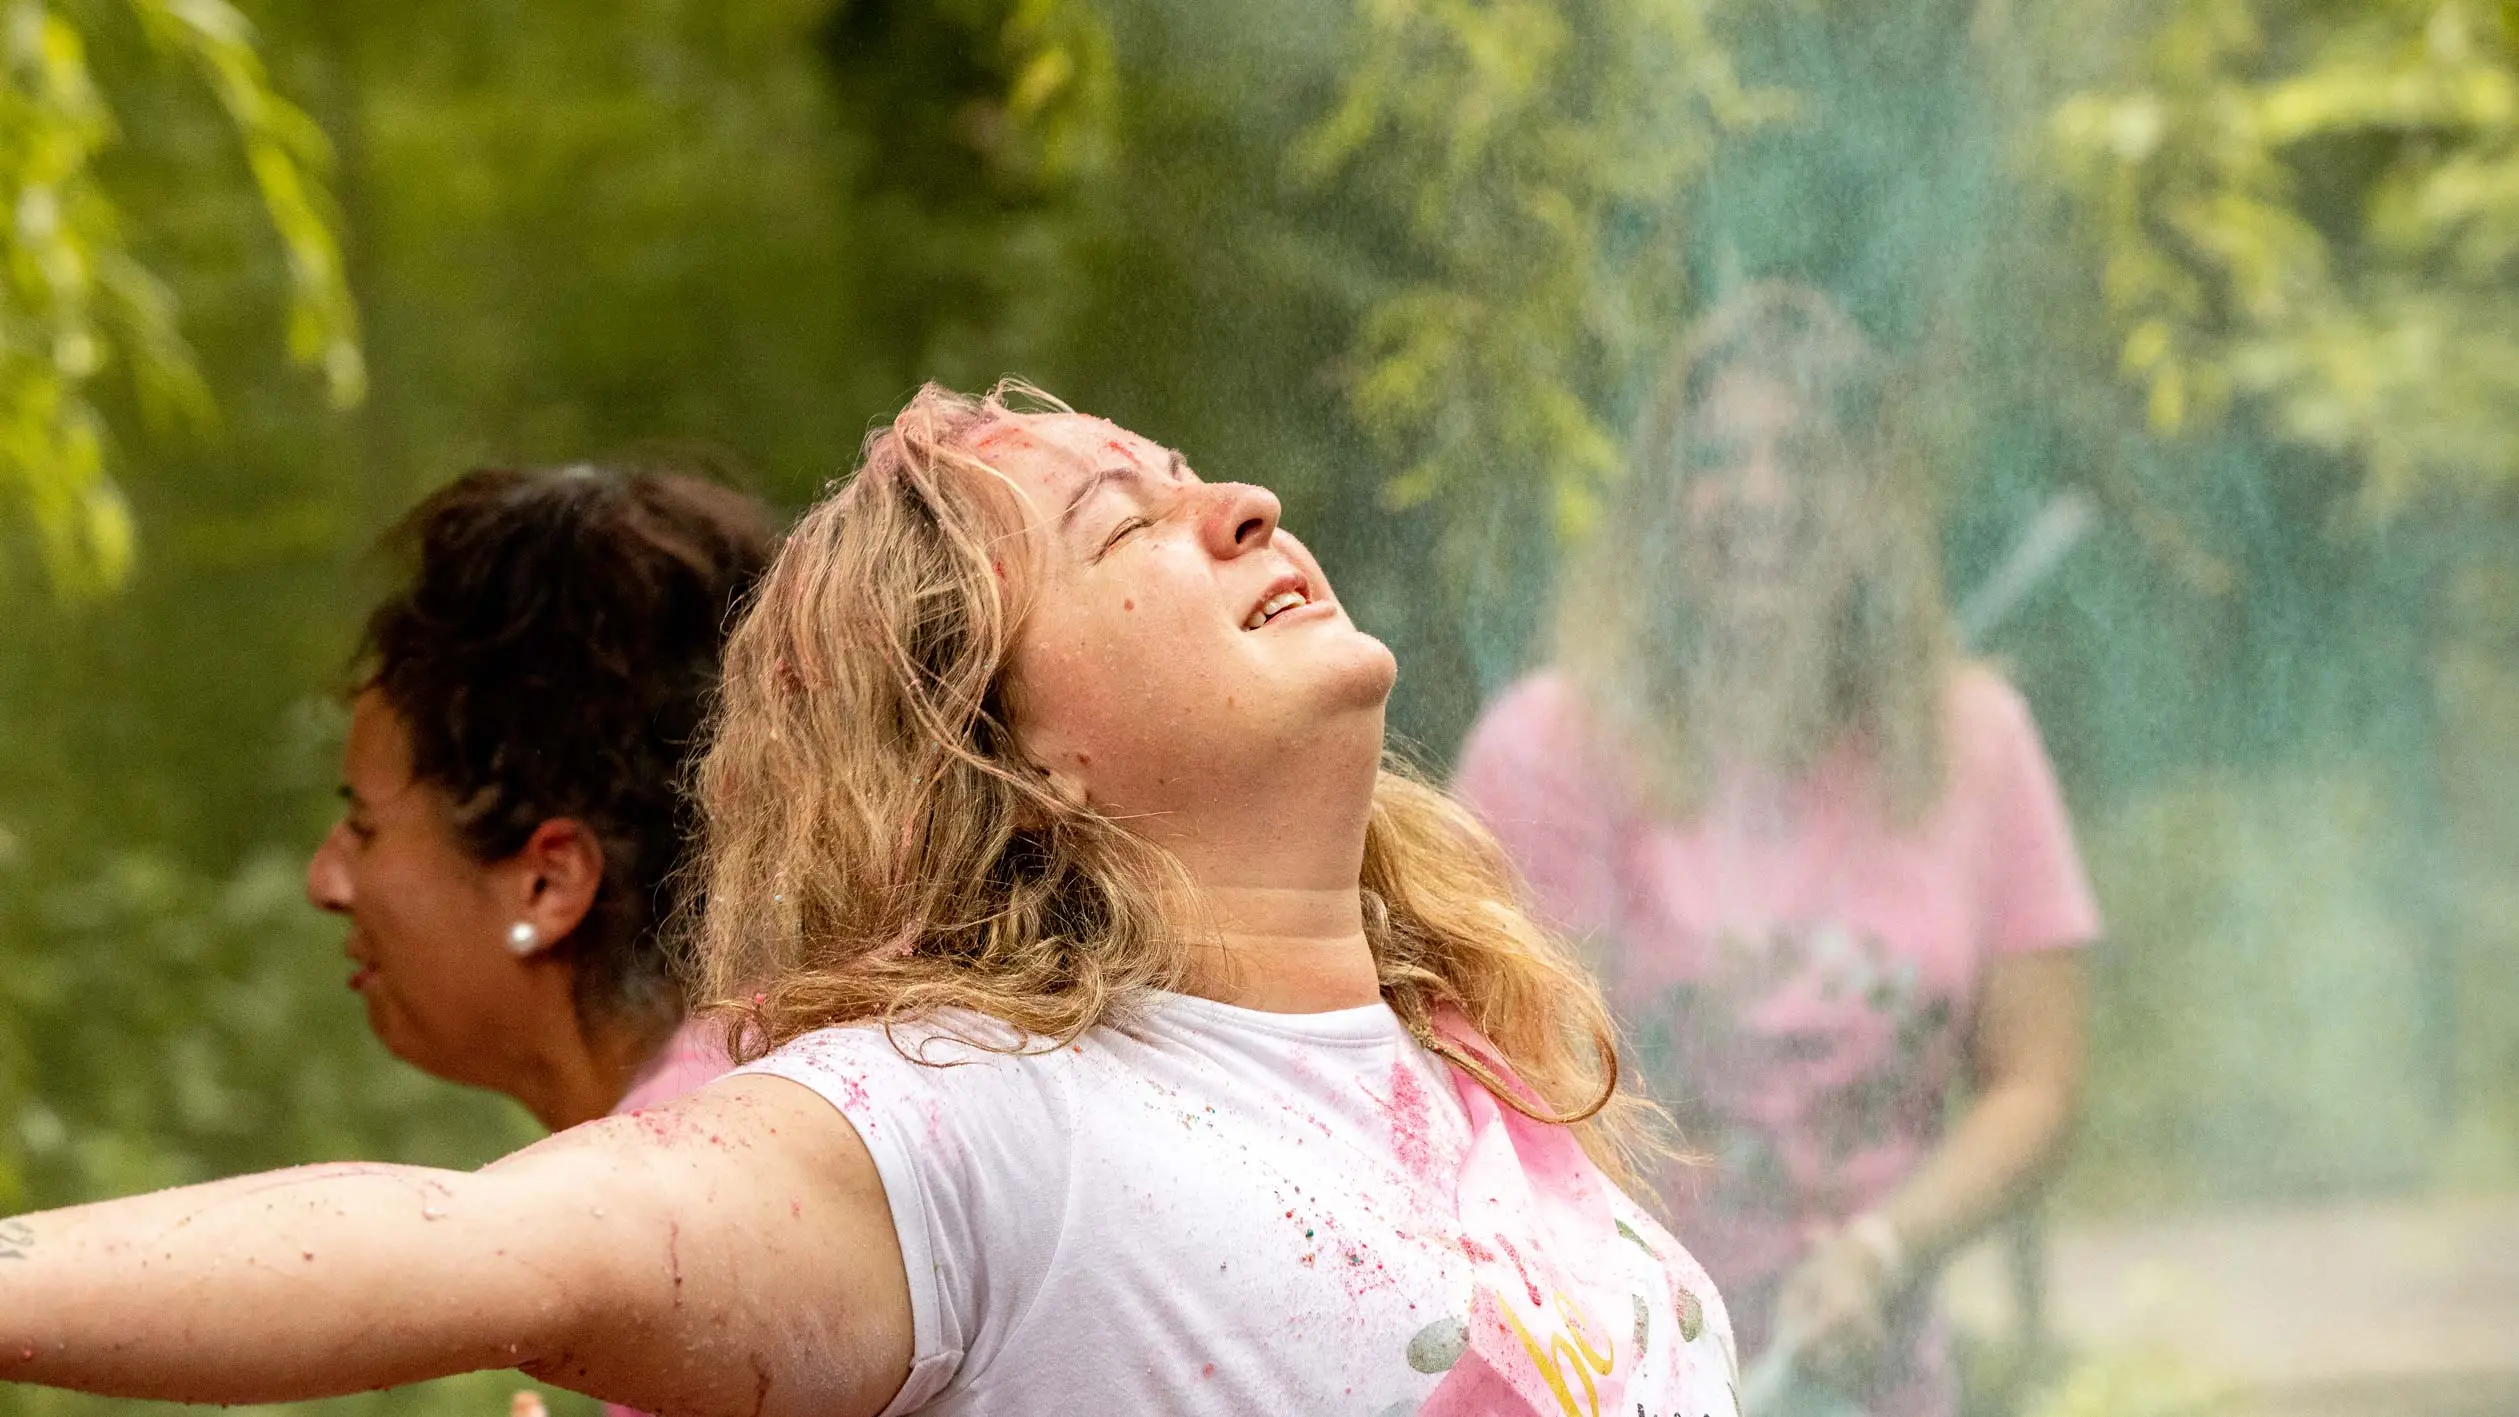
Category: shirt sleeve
[971,1146]
[2036,895]
[1523,771]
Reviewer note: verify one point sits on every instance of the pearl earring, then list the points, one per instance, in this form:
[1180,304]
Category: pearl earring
[523,939]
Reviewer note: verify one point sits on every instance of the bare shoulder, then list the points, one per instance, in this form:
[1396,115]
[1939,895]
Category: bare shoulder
[766,1125]
[751,1261]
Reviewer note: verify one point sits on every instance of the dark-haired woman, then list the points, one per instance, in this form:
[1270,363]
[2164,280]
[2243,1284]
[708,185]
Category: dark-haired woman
[513,780]
[1823,857]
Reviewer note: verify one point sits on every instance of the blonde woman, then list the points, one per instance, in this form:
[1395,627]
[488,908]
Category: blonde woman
[1824,860]
[1124,1037]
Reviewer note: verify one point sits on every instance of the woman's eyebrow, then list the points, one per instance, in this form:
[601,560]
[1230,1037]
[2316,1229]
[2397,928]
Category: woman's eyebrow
[1092,485]
[1177,469]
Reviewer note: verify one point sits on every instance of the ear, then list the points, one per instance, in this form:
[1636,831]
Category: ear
[559,869]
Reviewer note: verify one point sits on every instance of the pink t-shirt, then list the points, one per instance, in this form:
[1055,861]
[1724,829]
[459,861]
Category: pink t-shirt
[694,1057]
[1796,973]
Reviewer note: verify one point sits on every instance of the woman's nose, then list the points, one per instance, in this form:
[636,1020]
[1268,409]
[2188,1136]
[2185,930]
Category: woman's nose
[1238,519]
[327,876]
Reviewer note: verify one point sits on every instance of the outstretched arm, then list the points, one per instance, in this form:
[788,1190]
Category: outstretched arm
[731,1252]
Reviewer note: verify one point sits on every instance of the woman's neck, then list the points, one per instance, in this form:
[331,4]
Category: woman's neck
[1286,949]
[578,1073]
[1276,876]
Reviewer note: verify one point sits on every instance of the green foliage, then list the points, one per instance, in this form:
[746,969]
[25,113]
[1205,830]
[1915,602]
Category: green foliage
[2318,206]
[1545,156]
[983,120]
[74,299]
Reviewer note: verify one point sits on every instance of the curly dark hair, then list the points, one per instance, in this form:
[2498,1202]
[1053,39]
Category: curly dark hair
[553,651]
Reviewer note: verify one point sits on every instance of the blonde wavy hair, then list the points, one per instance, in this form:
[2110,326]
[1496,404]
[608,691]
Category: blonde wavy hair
[1627,627]
[875,847]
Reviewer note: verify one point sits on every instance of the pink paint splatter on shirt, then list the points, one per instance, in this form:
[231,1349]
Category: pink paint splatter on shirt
[1409,1119]
[1518,1268]
[854,1089]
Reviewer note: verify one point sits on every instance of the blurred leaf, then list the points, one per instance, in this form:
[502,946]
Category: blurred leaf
[73,300]
[2240,150]
[1546,156]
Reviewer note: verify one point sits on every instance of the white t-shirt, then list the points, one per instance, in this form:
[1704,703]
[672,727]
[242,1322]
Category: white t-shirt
[1209,1210]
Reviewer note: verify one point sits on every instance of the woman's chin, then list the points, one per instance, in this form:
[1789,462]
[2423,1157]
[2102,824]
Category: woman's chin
[393,1030]
[1366,671]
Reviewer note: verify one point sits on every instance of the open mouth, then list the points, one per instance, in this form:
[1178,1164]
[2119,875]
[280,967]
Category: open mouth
[1287,593]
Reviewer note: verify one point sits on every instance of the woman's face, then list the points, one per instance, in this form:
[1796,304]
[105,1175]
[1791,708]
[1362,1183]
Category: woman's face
[1769,504]
[1176,641]
[427,921]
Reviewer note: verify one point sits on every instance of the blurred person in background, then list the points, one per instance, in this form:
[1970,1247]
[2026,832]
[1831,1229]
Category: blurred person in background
[1822,857]
[513,782]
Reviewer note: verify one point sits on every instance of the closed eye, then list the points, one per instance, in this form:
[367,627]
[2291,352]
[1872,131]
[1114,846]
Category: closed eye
[1123,529]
